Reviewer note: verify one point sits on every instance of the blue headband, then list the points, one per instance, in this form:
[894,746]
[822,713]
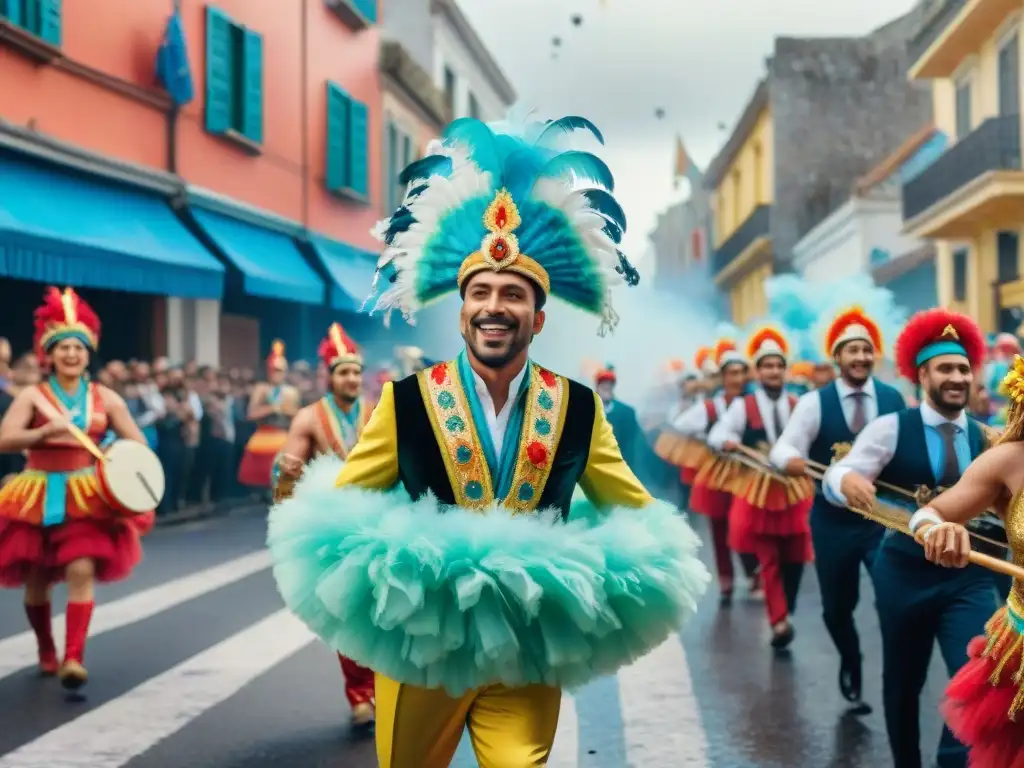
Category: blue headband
[940,348]
[64,335]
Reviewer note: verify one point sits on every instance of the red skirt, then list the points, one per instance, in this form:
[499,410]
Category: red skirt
[112,544]
[256,469]
[773,513]
[711,492]
[982,697]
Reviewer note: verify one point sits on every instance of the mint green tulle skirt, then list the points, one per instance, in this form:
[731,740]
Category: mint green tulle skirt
[448,598]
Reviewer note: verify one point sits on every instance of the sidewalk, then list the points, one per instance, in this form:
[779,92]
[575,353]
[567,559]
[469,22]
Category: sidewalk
[245,505]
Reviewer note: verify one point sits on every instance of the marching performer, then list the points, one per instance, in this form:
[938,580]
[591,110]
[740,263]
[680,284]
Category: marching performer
[56,520]
[921,449]
[985,698]
[801,378]
[425,559]
[331,426]
[768,517]
[712,473]
[669,445]
[622,417]
[824,424]
[273,405]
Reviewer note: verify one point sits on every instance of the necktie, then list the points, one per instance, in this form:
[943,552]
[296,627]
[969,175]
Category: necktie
[950,464]
[777,418]
[860,419]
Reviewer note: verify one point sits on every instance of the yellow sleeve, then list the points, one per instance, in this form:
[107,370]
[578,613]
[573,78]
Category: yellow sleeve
[373,461]
[607,480]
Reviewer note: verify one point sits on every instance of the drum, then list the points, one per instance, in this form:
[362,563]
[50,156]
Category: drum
[132,478]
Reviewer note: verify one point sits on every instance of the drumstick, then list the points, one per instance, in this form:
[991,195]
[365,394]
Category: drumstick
[53,414]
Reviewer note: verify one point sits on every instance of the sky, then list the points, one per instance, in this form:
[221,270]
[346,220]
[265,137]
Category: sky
[632,57]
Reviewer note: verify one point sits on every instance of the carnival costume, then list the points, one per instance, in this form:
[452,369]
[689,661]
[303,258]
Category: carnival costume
[56,511]
[475,617]
[769,515]
[259,458]
[335,432]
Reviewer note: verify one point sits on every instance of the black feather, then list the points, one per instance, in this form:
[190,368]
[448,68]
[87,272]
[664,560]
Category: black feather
[424,168]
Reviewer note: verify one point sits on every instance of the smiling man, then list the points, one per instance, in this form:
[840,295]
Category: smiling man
[824,424]
[439,556]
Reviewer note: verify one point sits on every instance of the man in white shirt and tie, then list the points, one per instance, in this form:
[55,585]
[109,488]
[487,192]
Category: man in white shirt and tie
[921,448]
[824,424]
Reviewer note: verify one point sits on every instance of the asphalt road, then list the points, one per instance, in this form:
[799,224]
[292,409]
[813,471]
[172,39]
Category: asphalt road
[194,663]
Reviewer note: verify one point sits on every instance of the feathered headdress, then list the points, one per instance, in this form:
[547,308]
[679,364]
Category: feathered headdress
[850,325]
[64,315]
[935,332]
[704,361]
[338,348]
[605,374]
[727,353]
[765,342]
[505,198]
[276,360]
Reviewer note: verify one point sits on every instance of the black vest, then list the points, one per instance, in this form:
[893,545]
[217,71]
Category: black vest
[421,465]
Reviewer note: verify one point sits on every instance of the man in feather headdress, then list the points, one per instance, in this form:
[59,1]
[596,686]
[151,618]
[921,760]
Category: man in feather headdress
[920,450]
[331,426]
[425,558]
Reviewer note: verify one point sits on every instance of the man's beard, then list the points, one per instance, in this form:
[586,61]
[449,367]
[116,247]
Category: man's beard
[942,399]
[495,358]
[345,398]
[857,377]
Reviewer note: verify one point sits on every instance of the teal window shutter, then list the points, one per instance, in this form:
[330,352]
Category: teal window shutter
[252,60]
[393,168]
[359,146]
[337,160]
[49,21]
[406,150]
[11,10]
[369,9]
[219,71]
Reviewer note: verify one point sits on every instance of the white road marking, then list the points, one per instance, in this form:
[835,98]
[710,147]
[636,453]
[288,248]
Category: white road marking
[126,727]
[19,651]
[661,721]
[566,751]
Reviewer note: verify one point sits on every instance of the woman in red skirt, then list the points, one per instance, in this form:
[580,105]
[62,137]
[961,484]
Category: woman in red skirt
[984,704]
[55,524]
[273,405]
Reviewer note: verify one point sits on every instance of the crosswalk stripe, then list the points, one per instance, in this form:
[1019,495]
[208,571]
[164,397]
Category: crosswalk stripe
[126,727]
[659,710]
[19,651]
[566,751]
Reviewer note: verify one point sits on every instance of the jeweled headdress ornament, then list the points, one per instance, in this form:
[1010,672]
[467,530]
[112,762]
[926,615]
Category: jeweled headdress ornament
[338,348]
[64,315]
[506,199]
[276,361]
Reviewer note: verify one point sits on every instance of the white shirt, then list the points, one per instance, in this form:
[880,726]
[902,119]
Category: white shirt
[805,423]
[497,421]
[874,448]
[693,422]
[731,425]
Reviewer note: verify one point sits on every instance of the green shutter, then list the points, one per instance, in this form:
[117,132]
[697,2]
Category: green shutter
[11,10]
[336,172]
[359,149]
[218,71]
[49,21]
[391,179]
[252,61]
[406,150]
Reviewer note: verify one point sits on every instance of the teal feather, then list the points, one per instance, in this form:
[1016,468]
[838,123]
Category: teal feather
[424,168]
[568,124]
[579,166]
[481,143]
[461,600]
[520,170]
[613,231]
[606,205]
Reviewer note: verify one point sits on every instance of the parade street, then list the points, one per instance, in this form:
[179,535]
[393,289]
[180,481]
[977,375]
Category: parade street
[194,662]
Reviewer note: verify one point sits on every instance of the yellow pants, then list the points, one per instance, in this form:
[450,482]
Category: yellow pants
[421,728]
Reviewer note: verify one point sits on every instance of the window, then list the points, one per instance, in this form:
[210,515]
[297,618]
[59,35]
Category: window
[1007,262]
[960,274]
[41,18]
[1009,76]
[474,106]
[234,78]
[392,202]
[449,89]
[963,108]
[348,137]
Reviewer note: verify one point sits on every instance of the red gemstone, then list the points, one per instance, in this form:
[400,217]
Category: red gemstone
[547,377]
[501,217]
[439,373]
[499,250]
[537,454]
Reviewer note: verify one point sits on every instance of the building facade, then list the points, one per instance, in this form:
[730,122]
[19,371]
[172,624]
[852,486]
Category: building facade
[970,202]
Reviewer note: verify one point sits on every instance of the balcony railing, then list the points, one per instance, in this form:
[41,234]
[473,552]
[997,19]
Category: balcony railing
[933,27]
[756,225]
[993,146]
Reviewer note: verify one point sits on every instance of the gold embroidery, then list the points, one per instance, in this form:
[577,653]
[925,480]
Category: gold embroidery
[840,451]
[543,420]
[456,435]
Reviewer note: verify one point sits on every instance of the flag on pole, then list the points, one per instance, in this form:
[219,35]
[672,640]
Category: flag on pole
[172,67]
[684,166]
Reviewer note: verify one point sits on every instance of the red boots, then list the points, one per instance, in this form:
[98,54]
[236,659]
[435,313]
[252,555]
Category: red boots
[40,621]
[72,674]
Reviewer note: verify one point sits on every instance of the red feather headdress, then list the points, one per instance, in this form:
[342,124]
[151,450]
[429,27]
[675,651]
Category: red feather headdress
[338,348]
[726,352]
[851,324]
[276,360]
[801,370]
[935,332]
[767,341]
[64,315]
[606,374]
[704,361]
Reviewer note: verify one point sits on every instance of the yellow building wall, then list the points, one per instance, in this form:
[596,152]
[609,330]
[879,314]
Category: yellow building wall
[747,298]
[748,182]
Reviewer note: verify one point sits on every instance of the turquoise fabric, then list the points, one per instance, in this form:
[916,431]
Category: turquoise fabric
[55,498]
[64,335]
[349,422]
[459,599]
[940,348]
[77,405]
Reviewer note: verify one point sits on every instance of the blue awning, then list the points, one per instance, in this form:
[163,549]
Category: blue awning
[270,262]
[69,229]
[351,270]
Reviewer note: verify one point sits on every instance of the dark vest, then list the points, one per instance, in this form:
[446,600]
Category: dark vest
[754,433]
[421,465]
